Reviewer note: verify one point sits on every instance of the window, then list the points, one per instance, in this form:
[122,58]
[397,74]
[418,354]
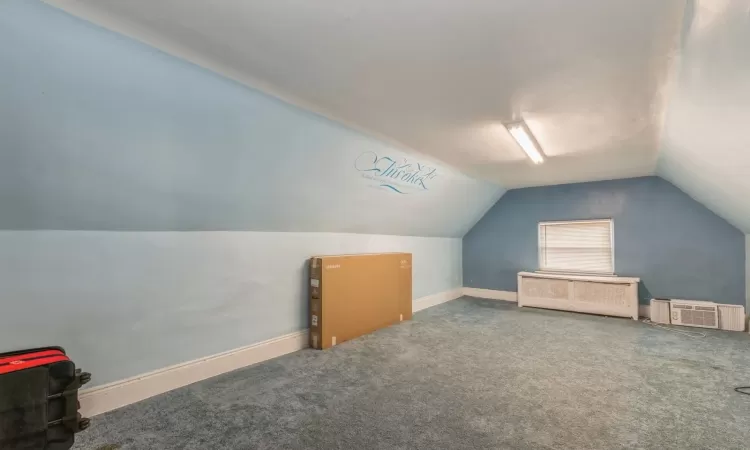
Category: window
[582,246]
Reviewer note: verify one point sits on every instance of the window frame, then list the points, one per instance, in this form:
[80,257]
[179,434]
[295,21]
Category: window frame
[540,257]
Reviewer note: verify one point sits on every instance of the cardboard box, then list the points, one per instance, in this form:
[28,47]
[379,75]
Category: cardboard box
[352,295]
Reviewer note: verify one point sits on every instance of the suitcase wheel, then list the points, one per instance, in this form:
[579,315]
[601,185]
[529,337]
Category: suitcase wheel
[85,377]
[83,424]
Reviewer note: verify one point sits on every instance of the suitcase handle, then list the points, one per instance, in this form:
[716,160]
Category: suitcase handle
[72,419]
[80,379]
[73,423]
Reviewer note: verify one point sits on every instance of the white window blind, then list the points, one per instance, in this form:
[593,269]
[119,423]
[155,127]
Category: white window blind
[584,246]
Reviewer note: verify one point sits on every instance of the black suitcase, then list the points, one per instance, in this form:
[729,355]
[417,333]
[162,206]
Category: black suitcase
[39,400]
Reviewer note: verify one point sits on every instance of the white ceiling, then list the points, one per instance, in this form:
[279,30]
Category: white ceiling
[706,138]
[440,76]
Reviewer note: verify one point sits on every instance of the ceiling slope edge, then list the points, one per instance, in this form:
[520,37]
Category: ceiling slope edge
[671,84]
[677,174]
[133,31]
[708,100]
[475,220]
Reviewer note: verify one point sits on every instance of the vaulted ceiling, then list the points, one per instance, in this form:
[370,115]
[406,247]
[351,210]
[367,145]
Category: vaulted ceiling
[611,89]
[706,139]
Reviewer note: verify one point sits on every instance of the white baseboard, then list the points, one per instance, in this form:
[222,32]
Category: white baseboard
[115,395]
[111,396]
[644,311]
[436,299]
[491,294]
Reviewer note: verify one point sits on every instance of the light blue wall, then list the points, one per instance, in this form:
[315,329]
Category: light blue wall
[99,132]
[125,303]
[675,245]
[201,201]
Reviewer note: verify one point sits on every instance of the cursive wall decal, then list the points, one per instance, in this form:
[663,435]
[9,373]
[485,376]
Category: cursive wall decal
[400,176]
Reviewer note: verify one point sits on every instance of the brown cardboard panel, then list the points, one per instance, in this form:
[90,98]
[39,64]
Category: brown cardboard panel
[352,295]
[316,304]
[405,286]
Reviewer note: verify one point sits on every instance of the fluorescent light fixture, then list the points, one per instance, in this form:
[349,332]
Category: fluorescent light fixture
[521,133]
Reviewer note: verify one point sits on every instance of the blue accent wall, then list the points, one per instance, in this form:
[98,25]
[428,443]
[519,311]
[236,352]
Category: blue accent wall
[678,247]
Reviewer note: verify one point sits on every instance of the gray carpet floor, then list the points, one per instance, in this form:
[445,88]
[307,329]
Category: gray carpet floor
[468,374]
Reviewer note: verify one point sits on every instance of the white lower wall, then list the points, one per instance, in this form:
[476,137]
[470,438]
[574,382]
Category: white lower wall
[125,303]
[747,272]
[114,395]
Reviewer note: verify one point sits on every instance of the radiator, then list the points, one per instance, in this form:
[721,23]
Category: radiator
[609,296]
[659,310]
[731,317]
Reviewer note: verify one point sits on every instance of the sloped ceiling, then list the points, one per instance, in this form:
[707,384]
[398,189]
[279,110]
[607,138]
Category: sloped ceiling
[706,139]
[100,132]
[611,89]
[440,76]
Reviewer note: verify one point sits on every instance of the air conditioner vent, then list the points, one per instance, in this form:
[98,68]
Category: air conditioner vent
[694,313]
[704,308]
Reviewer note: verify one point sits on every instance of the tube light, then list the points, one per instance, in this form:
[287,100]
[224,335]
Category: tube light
[521,133]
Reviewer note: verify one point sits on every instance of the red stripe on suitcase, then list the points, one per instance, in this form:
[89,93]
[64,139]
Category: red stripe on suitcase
[33,355]
[15,366]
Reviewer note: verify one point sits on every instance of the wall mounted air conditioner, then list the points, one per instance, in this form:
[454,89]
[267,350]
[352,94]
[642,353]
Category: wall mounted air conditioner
[694,313]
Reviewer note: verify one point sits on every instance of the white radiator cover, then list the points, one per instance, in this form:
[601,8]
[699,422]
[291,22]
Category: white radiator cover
[659,311]
[609,296]
[731,317]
